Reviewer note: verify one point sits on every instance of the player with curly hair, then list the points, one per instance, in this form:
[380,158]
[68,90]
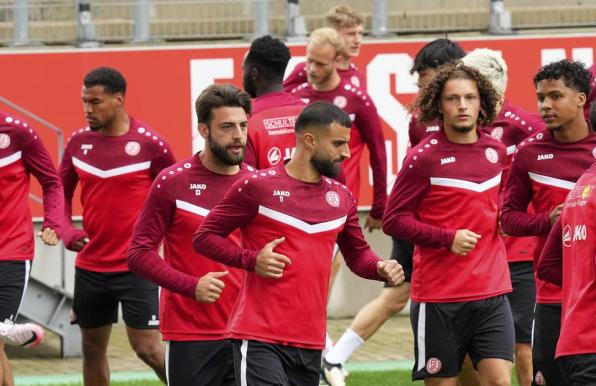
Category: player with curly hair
[445,201]
[544,169]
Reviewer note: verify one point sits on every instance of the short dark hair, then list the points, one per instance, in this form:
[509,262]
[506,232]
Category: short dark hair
[220,95]
[435,54]
[110,78]
[269,55]
[573,73]
[321,115]
[428,100]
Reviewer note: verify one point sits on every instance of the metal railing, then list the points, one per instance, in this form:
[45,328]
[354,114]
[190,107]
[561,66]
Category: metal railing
[63,21]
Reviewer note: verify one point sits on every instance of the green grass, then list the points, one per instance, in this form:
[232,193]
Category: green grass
[376,378]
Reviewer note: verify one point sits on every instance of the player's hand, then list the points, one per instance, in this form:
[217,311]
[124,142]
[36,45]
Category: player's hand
[78,245]
[209,287]
[271,264]
[391,271]
[465,240]
[555,214]
[48,236]
[372,223]
[501,231]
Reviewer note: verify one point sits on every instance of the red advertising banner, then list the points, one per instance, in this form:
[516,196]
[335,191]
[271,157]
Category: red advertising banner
[164,81]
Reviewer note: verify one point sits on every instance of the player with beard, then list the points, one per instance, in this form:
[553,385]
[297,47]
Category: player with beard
[271,137]
[323,57]
[512,126]
[197,294]
[290,217]
[350,26]
[115,158]
[445,201]
[391,300]
[544,169]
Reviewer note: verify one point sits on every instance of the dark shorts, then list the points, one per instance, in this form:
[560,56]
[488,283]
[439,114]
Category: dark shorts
[522,299]
[547,326]
[13,283]
[445,332]
[402,251]
[579,370]
[200,363]
[268,364]
[97,294]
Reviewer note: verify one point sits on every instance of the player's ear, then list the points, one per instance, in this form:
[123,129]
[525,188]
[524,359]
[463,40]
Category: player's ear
[581,99]
[119,99]
[203,130]
[309,140]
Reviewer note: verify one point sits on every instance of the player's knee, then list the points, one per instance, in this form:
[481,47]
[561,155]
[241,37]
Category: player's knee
[393,300]
[93,351]
[523,353]
[148,352]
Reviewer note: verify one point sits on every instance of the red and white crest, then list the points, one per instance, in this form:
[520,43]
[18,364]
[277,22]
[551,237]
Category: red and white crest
[340,101]
[497,133]
[4,141]
[433,365]
[491,155]
[567,236]
[540,379]
[132,148]
[332,199]
[274,155]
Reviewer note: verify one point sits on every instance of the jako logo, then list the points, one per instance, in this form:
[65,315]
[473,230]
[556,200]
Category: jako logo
[198,188]
[580,233]
[545,156]
[281,194]
[447,160]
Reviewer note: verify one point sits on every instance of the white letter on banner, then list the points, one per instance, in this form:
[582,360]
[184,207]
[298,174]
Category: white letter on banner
[584,55]
[390,110]
[294,61]
[203,73]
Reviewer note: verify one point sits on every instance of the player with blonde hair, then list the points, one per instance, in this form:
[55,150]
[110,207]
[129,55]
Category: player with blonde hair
[349,23]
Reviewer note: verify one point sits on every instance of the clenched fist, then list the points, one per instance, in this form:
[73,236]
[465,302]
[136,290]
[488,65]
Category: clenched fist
[465,240]
[209,287]
[391,271]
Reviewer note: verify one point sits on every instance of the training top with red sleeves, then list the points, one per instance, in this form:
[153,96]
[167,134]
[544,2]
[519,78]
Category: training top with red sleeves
[180,199]
[366,130]
[417,130]
[312,217]
[543,171]
[116,173]
[512,126]
[576,232]
[442,187]
[22,153]
[271,135]
[298,76]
